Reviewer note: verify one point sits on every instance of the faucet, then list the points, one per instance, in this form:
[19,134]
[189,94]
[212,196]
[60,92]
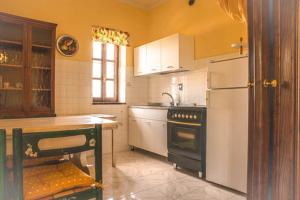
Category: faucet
[172,103]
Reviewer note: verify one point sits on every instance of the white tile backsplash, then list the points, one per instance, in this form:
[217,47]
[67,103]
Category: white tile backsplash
[73,96]
[194,87]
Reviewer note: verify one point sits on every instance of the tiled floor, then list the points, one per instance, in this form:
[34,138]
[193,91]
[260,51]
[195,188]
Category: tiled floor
[139,176]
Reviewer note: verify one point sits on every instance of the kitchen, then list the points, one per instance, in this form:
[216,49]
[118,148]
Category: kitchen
[180,74]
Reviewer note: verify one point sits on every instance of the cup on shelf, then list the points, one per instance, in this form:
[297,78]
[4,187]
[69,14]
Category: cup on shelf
[6,85]
[19,85]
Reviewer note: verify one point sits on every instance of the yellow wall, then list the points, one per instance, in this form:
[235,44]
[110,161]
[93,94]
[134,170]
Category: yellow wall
[214,32]
[75,17]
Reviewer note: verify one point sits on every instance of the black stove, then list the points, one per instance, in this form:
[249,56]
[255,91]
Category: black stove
[187,138]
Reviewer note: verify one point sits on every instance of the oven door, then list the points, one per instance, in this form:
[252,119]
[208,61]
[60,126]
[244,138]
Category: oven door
[186,139]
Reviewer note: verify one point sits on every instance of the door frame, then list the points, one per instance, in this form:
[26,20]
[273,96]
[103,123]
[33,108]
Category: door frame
[297,113]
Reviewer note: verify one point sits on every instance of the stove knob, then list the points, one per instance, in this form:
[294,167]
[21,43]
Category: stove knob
[175,115]
[179,115]
[191,116]
[195,116]
[186,116]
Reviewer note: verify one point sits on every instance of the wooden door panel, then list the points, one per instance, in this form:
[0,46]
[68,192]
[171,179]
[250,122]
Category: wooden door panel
[274,117]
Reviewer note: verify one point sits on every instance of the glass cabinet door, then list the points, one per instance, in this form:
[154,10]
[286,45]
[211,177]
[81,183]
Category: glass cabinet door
[40,66]
[11,67]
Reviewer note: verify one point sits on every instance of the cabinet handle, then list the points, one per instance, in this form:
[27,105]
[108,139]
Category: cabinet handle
[170,67]
[154,69]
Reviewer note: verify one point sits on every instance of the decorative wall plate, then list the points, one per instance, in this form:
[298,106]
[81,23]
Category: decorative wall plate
[67,45]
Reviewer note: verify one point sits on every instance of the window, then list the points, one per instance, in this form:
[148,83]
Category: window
[105,73]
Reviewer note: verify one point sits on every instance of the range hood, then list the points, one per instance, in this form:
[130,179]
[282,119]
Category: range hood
[180,70]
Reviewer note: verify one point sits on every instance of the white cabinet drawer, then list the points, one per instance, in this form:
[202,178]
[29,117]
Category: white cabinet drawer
[154,114]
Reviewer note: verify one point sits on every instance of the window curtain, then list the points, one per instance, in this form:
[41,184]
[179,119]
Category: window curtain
[236,9]
[106,35]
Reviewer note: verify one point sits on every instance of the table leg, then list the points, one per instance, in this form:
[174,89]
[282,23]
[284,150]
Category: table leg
[80,160]
[113,157]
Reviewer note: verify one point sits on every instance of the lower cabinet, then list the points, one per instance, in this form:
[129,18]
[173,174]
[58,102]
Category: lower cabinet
[148,134]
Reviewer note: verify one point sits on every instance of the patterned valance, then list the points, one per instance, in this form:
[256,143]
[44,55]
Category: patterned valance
[236,9]
[106,35]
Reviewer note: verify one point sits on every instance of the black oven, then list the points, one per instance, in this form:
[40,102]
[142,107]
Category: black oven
[187,137]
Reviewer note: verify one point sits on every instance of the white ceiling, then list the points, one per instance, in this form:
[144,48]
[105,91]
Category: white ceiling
[147,4]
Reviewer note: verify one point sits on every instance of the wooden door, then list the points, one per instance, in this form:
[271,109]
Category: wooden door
[274,118]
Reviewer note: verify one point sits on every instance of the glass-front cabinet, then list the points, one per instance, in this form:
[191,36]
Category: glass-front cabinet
[27,51]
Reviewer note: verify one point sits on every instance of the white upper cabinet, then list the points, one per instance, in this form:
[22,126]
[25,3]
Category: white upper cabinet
[154,56]
[170,53]
[140,62]
[167,54]
[177,52]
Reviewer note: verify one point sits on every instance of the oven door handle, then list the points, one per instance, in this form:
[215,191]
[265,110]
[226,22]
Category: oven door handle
[184,123]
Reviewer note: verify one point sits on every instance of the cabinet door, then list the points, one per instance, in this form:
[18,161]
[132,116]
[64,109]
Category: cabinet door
[41,63]
[159,134]
[145,136]
[140,62]
[134,132]
[170,53]
[154,136]
[153,56]
[12,68]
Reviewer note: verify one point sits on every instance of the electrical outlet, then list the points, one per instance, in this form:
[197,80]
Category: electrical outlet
[180,86]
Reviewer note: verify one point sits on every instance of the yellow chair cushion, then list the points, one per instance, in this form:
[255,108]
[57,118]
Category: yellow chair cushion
[44,181]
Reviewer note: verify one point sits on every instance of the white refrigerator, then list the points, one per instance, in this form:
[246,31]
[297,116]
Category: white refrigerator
[227,123]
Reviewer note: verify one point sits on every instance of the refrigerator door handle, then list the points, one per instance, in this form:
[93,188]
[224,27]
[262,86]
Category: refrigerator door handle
[250,84]
[207,98]
[209,74]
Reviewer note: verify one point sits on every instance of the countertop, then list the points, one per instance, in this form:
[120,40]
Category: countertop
[57,123]
[163,107]
[150,107]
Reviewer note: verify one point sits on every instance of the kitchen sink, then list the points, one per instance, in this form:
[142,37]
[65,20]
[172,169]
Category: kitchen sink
[157,104]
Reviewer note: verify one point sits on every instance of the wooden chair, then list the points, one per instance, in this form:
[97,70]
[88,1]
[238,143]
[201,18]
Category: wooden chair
[60,180]
[3,177]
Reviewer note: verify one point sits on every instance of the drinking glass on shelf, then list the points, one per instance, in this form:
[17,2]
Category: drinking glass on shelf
[40,62]
[44,60]
[8,56]
[34,59]
[16,58]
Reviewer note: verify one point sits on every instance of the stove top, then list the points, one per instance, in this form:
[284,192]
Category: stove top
[187,114]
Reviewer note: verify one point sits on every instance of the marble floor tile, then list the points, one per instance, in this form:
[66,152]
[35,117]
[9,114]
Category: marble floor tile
[142,176]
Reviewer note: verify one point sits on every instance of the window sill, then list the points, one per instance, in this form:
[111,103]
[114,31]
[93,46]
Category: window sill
[108,103]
